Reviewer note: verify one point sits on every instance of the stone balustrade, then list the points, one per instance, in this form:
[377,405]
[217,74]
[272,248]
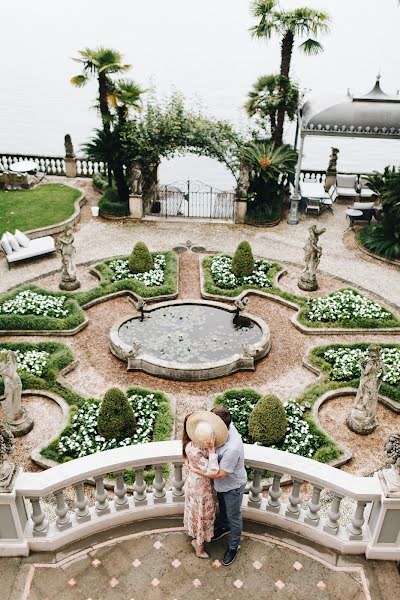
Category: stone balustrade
[374,528]
[57,165]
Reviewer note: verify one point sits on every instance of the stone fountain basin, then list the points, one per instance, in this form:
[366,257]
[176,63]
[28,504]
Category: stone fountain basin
[197,315]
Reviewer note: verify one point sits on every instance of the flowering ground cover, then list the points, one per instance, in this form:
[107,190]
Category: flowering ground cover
[155,277]
[219,279]
[347,308]
[34,309]
[302,437]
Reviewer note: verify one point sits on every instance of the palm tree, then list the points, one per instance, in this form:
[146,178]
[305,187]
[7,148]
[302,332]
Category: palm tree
[125,94]
[265,99]
[289,24]
[100,63]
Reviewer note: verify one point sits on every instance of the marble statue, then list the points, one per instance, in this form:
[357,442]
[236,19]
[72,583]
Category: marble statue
[244,181]
[362,417]
[392,450]
[136,179]
[6,447]
[69,149]
[249,352]
[139,305]
[65,245]
[312,257]
[16,416]
[134,351]
[241,304]
[332,166]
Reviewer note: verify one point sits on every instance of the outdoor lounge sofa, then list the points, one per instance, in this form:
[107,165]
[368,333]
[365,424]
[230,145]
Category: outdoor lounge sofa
[346,186]
[19,247]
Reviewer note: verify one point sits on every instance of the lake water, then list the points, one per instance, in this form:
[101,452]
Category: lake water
[203,49]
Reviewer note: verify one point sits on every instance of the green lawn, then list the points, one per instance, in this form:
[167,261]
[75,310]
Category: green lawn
[29,209]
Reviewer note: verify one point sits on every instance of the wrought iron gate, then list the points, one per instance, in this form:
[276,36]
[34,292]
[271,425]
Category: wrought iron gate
[192,199]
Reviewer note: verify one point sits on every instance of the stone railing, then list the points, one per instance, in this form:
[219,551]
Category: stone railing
[373,527]
[318,175]
[57,165]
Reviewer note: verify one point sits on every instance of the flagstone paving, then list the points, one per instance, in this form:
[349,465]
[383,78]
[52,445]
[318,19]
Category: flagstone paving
[160,564]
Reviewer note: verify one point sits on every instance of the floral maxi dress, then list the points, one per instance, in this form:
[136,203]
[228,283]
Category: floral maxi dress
[200,496]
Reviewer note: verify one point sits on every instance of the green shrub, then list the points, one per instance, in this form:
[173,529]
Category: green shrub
[140,260]
[243,261]
[116,417]
[110,204]
[100,182]
[268,422]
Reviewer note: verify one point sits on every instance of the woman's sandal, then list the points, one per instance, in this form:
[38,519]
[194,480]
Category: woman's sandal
[199,554]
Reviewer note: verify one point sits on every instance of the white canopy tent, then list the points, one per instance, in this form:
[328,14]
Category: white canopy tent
[375,115]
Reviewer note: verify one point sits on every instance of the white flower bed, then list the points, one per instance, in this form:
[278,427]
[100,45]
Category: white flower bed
[345,363]
[155,277]
[225,279]
[345,305]
[32,361]
[298,439]
[84,438]
[32,303]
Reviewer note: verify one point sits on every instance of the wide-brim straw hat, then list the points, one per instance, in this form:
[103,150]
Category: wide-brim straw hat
[202,424]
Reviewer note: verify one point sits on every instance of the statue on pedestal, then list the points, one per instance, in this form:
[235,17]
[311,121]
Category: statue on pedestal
[312,257]
[6,447]
[135,179]
[17,417]
[244,181]
[362,417]
[332,166]
[65,245]
[68,147]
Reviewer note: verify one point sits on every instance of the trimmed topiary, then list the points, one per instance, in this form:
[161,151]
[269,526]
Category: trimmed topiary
[268,422]
[140,259]
[116,417]
[243,260]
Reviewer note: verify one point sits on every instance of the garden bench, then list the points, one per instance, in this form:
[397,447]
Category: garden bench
[31,248]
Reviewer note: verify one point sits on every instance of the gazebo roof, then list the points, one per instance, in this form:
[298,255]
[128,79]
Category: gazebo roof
[374,115]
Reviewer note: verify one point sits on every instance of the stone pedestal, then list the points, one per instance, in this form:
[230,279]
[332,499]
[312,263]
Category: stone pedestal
[69,285]
[8,473]
[293,211]
[22,424]
[240,211]
[136,206]
[70,167]
[358,422]
[308,284]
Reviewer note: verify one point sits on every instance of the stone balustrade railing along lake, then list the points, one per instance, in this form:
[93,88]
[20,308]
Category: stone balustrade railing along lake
[56,165]
[372,525]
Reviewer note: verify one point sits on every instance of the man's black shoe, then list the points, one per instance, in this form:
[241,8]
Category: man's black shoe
[229,557]
[219,533]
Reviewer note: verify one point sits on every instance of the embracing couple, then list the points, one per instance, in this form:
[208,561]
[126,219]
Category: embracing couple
[215,455]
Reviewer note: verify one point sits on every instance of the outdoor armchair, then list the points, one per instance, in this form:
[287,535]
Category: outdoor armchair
[346,186]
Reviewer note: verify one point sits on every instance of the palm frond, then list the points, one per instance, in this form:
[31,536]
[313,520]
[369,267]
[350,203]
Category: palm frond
[79,80]
[311,47]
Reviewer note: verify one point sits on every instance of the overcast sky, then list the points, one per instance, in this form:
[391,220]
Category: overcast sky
[201,47]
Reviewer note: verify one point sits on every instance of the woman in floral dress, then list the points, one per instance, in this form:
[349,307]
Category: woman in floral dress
[200,496]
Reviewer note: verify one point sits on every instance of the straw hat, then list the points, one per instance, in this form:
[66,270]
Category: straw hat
[202,425]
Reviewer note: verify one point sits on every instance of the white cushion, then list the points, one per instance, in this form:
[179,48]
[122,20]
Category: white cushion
[363,205]
[346,181]
[5,244]
[13,242]
[21,238]
[36,247]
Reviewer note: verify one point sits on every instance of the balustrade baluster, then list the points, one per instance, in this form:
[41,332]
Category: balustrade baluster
[312,516]
[357,521]
[255,489]
[274,493]
[159,485]
[40,523]
[293,510]
[178,495]
[140,493]
[332,525]
[101,504]
[121,499]
[81,503]
[63,519]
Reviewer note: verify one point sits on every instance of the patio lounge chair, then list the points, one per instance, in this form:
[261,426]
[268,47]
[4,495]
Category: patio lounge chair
[364,190]
[20,247]
[346,186]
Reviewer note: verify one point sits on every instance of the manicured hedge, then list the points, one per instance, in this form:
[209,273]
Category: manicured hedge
[32,322]
[211,288]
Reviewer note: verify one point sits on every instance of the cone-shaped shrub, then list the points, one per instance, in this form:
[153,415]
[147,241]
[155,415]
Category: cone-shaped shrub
[116,417]
[268,422]
[243,261]
[140,259]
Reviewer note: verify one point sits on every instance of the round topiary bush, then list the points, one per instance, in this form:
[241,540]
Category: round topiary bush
[243,261]
[268,422]
[140,259]
[116,418]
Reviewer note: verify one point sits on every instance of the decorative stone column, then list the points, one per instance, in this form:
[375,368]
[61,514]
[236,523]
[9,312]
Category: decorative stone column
[70,160]
[295,199]
[240,211]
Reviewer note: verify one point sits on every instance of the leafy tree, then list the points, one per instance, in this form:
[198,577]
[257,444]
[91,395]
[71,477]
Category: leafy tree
[289,25]
[265,99]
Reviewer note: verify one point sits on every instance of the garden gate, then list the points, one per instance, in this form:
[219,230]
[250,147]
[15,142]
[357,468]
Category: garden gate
[192,199]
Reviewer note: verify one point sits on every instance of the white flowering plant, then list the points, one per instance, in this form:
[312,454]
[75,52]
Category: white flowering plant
[155,277]
[221,271]
[345,363]
[347,306]
[82,437]
[29,302]
[299,438]
[32,361]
